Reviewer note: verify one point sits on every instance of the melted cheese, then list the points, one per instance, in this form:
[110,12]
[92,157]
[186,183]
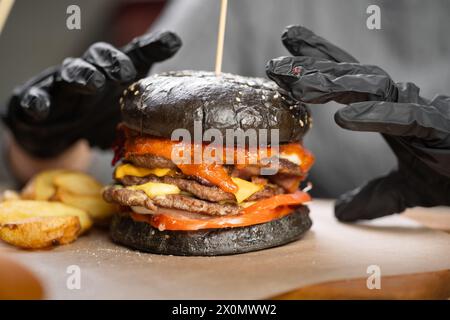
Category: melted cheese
[245,189]
[130,170]
[154,189]
[247,204]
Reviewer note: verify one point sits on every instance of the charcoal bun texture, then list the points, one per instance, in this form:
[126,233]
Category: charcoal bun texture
[159,104]
[210,242]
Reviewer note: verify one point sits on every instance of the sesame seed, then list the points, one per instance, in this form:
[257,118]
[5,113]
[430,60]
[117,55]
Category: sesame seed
[263,97]
[238,99]
[125,92]
[121,100]
[136,92]
[275,96]
[301,123]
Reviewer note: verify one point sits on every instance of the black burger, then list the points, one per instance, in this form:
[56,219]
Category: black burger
[171,203]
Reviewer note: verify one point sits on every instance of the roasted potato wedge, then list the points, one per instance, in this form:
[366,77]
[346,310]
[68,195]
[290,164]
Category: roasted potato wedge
[16,210]
[41,232]
[41,186]
[95,206]
[73,188]
[78,183]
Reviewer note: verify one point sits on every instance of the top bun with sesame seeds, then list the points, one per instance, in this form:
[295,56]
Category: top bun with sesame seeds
[159,104]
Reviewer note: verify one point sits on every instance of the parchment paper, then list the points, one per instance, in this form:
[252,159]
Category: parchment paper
[330,251]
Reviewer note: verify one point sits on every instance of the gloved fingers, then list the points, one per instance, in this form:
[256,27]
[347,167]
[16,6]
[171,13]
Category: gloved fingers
[303,65]
[399,119]
[441,102]
[300,41]
[79,76]
[31,101]
[380,197]
[314,86]
[74,76]
[43,80]
[150,48]
[35,103]
[116,65]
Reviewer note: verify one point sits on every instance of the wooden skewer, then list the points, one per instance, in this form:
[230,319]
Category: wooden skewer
[308,187]
[5,10]
[221,36]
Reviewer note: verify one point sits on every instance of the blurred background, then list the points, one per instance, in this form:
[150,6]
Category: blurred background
[412,45]
[36,36]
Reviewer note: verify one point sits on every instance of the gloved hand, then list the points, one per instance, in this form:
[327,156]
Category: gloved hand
[417,130]
[80,98]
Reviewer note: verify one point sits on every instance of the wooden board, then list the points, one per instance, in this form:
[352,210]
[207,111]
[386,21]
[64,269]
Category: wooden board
[331,251]
[426,285]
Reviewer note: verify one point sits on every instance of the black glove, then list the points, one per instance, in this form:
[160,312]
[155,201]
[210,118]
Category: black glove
[80,98]
[417,130]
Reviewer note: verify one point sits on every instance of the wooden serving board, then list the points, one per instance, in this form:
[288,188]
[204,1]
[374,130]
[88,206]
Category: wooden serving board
[331,253]
[426,285]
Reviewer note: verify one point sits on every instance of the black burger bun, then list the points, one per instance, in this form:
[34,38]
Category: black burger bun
[210,242]
[159,104]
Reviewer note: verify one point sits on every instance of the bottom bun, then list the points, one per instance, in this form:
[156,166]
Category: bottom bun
[210,242]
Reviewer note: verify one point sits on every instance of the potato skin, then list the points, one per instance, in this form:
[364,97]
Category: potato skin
[19,210]
[210,242]
[41,232]
[74,188]
[161,103]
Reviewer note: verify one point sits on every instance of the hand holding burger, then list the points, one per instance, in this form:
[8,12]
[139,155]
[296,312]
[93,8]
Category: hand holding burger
[416,129]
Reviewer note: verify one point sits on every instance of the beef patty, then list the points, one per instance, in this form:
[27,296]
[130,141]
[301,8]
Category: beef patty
[128,197]
[210,193]
[152,161]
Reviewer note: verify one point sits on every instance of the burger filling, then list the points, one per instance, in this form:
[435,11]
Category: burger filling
[185,196]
